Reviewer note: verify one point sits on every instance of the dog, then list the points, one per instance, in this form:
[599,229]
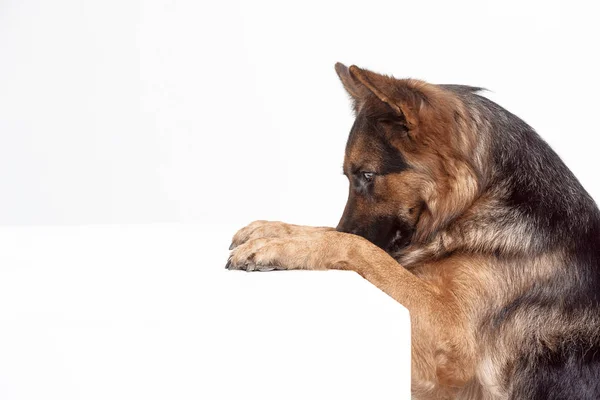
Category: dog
[458,210]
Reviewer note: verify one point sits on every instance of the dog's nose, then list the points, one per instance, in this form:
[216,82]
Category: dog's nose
[341,228]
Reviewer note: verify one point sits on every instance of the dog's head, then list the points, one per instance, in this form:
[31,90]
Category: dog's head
[411,159]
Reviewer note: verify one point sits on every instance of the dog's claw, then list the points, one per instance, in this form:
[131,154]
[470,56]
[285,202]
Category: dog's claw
[228,265]
[231,246]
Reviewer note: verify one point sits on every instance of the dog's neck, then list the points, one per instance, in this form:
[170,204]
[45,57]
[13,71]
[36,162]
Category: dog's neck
[486,227]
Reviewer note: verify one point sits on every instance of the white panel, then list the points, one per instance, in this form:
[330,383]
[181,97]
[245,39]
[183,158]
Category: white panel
[149,312]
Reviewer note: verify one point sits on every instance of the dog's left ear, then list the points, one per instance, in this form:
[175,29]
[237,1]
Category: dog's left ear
[404,99]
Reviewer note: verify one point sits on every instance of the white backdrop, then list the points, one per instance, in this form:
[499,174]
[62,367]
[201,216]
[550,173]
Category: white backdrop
[197,111]
[214,114]
[141,312]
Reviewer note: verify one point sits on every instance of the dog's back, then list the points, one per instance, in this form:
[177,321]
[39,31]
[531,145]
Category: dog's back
[548,335]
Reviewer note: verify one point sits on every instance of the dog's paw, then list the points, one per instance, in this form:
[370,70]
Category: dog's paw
[263,254]
[272,229]
[261,229]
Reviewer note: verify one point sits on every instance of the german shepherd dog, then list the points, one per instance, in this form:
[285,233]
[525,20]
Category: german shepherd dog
[462,213]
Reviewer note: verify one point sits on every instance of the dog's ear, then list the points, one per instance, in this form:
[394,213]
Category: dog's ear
[403,99]
[355,89]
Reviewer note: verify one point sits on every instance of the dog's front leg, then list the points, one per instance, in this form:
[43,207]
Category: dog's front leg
[265,245]
[439,358]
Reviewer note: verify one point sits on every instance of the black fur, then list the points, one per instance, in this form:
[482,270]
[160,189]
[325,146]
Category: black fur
[567,373]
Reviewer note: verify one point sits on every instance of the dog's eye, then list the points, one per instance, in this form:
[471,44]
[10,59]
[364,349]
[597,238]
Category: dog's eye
[367,176]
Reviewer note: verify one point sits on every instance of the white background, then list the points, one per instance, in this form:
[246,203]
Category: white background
[142,312]
[206,116]
[196,111]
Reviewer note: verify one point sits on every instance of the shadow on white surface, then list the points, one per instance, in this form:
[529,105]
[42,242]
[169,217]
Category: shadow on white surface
[125,312]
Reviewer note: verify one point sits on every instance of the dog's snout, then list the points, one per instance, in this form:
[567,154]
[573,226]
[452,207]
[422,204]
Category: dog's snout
[348,223]
[341,228]
[347,228]
[344,227]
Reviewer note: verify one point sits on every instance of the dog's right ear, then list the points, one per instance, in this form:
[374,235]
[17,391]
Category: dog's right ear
[355,89]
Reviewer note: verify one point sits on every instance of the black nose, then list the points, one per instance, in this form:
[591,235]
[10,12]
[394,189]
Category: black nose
[347,229]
